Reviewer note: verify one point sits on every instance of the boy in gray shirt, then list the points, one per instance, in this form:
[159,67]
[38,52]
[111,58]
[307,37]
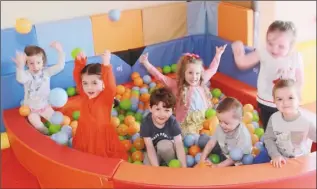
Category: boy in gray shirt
[291,130]
[231,132]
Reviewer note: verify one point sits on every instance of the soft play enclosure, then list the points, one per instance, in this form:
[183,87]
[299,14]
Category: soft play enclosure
[165,32]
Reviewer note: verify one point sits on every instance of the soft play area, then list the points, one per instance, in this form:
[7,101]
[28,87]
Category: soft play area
[33,160]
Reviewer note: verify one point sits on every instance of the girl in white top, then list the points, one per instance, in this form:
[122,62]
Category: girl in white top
[36,81]
[277,59]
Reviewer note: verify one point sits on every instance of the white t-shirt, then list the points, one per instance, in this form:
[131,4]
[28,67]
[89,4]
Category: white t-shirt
[272,69]
[290,138]
[37,86]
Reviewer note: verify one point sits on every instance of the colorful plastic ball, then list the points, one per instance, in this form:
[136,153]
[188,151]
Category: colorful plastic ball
[114,15]
[214,158]
[216,93]
[135,88]
[76,115]
[5,143]
[140,111]
[68,130]
[197,157]
[23,26]
[203,140]
[58,97]
[138,116]
[174,68]
[255,118]
[247,159]
[259,132]
[75,52]
[174,163]
[61,138]
[189,140]
[147,79]
[259,145]
[71,91]
[57,118]
[167,69]
[262,139]
[144,90]
[152,85]
[135,136]
[24,110]
[125,104]
[134,107]
[236,154]
[190,161]
[196,137]
[210,113]
[52,129]
[114,113]
[255,124]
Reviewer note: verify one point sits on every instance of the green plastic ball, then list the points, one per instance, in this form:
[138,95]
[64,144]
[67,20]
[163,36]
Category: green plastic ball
[174,163]
[167,69]
[259,132]
[216,93]
[214,158]
[125,104]
[75,52]
[76,115]
[174,67]
[71,91]
[210,113]
[52,129]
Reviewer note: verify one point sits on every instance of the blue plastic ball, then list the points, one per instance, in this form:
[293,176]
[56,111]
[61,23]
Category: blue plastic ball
[61,138]
[67,130]
[147,79]
[57,118]
[114,15]
[135,136]
[144,90]
[262,139]
[236,154]
[189,140]
[190,161]
[152,85]
[197,157]
[134,100]
[114,113]
[196,138]
[134,107]
[247,159]
[58,97]
[135,88]
[255,124]
[203,140]
[259,145]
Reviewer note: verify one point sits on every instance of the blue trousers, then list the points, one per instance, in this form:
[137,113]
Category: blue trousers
[262,157]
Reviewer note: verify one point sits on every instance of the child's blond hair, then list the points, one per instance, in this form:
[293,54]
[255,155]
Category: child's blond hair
[181,82]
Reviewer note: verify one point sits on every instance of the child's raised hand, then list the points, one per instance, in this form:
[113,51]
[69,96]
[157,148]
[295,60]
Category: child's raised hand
[278,161]
[80,57]
[106,56]
[144,58]
[20,59]
[58,46]
[220,50]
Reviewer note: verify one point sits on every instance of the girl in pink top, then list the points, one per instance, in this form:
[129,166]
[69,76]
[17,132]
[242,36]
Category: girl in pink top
[193,96]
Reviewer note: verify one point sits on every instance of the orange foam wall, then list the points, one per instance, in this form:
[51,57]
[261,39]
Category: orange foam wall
[124,34]
[235,23]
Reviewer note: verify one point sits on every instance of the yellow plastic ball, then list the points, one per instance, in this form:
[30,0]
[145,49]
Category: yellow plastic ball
[4,141]
[23,25]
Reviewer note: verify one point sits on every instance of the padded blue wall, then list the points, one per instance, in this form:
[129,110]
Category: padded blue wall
[72,33]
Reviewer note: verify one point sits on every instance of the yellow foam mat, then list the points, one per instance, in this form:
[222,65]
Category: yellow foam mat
[308,51]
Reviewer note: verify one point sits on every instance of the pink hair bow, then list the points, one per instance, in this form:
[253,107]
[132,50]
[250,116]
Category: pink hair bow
[192,55]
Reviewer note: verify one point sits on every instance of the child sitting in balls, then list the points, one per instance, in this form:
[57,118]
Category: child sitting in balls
[232,135]
[97,87]
[193,96]
[36,81]
[289,131]
[161,131]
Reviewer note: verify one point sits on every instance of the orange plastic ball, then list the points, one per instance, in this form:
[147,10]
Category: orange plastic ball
[120,89]
[128,120]
[134,75]
[138,81]
[66,121]
[24,110]
[115,121]
[122,130]
[127,144]
[139,144]
[137,156]
[194,150]
[145,97]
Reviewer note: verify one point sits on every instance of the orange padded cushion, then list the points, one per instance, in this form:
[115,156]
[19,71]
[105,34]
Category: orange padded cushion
[164,23]
[124,34]
[235,23]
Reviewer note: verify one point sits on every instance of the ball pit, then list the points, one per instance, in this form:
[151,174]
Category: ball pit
[123,178]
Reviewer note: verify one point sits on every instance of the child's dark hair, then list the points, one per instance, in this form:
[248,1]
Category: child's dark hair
[32,50]
[230,103]
[91,69]
[283,26]
[163,95]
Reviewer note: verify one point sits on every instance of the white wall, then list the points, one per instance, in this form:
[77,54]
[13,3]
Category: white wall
[43,11]
[302,13]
